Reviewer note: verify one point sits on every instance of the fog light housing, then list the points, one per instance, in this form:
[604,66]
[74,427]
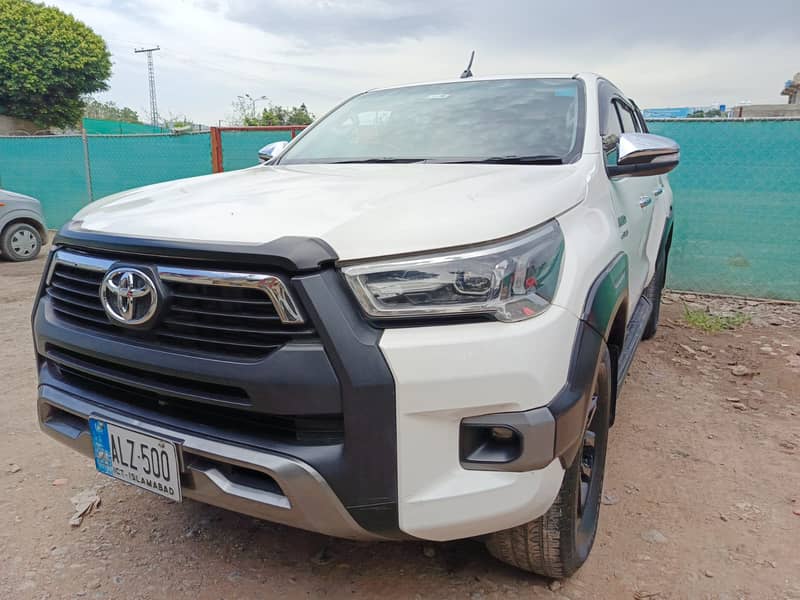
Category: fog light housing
[490,444]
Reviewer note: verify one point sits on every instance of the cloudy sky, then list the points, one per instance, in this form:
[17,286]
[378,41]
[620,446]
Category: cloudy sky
[673,53]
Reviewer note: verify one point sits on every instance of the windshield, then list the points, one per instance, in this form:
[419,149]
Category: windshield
[505,121]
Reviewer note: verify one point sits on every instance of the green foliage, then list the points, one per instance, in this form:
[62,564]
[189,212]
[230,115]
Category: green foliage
[273,114]
[705,321]
[706,114]
[94,109]
[48,61]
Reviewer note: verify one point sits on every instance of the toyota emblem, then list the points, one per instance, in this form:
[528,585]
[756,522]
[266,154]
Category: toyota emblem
[129,296]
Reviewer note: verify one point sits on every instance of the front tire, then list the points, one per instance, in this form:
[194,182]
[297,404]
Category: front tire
[20,242]
[558,543]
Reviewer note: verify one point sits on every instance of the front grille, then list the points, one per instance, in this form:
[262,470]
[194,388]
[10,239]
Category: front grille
[220,407]
[145,380]
[238,322]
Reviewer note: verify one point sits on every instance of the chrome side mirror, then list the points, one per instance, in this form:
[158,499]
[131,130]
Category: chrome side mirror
[644,154]
[272,150]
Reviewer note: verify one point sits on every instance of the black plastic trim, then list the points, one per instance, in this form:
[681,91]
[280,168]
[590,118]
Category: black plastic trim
[365,476]
[294,379]
[663,250]
[571,405]
[292,254]
[344,373]
[42,285]
[642,168]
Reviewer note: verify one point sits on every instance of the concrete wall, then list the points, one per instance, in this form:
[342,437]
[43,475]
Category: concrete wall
[760,111]
[13,126]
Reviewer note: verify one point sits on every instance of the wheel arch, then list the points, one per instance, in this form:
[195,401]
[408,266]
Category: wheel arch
[606,311]
[27,219]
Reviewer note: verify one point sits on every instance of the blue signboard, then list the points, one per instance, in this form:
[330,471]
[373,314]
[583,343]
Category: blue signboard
[667,113]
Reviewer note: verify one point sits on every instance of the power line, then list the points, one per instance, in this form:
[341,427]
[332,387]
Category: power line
[151,78]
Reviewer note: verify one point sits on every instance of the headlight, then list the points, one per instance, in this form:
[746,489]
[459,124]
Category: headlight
[511,280]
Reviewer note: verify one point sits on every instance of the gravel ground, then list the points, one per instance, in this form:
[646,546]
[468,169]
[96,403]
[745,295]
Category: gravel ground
[702,493]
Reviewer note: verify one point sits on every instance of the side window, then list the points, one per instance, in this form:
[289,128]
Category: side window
[610,131]
[640,118]
[611,126]
[629,123]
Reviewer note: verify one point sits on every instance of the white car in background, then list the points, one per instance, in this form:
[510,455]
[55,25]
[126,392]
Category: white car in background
[22,227]
[412,322]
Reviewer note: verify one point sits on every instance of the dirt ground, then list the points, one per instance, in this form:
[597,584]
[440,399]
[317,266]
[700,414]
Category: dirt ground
[702,493]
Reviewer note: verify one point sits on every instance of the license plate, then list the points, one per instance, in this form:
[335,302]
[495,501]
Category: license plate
[136,458]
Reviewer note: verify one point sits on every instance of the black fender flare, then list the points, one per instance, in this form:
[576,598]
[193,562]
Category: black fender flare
[608,293]
[666,243]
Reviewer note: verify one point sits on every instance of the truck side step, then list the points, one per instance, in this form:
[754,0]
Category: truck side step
[633,335]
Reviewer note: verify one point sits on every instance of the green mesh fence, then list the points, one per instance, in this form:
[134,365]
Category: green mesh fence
[48,168]
[106,127]
[737,204]
[737,207]
[240,148]
[123,162]
[52,169]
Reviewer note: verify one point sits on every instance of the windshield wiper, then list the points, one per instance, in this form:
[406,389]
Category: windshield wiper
[387,159]
[513,159]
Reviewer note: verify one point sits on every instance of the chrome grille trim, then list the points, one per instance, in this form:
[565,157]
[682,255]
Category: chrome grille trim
[273,287]
[282,300]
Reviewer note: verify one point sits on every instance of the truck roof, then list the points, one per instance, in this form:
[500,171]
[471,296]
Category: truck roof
[585,76]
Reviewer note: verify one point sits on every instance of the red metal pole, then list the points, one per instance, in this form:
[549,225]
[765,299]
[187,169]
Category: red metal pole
[216,150]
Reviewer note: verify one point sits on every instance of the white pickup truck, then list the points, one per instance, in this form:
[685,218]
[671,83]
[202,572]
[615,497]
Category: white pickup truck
[412,322]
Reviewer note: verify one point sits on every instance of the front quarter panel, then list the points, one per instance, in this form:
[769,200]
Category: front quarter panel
[591,242]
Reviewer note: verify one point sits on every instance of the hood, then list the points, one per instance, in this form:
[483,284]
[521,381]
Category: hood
[19,200]
[360,210]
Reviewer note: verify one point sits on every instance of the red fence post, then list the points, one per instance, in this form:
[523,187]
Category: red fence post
[216,150]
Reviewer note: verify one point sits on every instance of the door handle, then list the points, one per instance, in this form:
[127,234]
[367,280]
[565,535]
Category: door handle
[658,191]
[645,201]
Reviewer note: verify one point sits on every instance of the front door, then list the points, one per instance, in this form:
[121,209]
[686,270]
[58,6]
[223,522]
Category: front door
[633,199]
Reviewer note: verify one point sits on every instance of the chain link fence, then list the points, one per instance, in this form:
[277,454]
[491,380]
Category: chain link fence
[737,204]
[67,172]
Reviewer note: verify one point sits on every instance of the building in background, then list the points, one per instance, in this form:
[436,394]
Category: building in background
[767,111]
[685,112]
[15,126]
[792,89]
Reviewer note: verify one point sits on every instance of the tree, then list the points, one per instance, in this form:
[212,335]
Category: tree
[299,115]
[274,114]
[48,61]
[706,114]
[94,109]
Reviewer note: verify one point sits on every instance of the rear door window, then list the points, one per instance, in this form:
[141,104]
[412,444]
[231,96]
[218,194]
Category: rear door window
[629,122]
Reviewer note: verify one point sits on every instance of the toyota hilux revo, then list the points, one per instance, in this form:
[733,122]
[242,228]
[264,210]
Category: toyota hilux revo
[412,322]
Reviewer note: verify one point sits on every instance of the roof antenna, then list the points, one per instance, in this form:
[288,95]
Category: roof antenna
[468,71]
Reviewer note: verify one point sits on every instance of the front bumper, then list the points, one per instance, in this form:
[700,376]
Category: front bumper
[275,487]
[527,377]
[405,396]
